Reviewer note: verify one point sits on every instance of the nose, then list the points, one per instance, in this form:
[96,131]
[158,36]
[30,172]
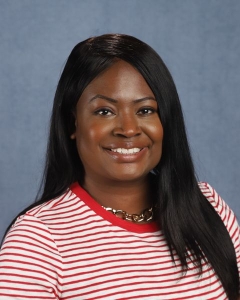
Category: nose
[127,126]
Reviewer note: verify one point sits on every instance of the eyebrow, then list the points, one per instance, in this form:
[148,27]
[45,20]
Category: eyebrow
[115,101]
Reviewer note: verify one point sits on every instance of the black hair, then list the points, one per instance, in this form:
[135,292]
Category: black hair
[188,220]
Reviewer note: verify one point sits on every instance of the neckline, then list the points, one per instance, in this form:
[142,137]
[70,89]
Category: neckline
[114,220]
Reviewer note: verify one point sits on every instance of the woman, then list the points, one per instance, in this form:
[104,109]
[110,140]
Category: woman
[121,215]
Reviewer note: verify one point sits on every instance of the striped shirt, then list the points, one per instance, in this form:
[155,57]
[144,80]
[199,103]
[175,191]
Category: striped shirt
[70,248]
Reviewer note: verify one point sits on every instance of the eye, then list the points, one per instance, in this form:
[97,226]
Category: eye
[146,111]
[104,112]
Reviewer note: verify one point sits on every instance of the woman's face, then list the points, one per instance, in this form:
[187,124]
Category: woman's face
[118,131]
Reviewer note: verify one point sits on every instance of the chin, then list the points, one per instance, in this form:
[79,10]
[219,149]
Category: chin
[129,176]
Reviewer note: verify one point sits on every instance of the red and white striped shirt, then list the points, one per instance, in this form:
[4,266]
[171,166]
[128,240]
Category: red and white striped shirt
[71,248]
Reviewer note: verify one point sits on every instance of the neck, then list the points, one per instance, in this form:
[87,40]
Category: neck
[132,197]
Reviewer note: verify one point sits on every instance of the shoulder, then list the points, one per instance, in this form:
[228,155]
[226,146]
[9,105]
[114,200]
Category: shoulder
[53,206]
[226,214]
[216,201]
[212,196]
[36,222]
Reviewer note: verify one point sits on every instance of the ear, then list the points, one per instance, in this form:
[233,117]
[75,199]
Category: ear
[73,136]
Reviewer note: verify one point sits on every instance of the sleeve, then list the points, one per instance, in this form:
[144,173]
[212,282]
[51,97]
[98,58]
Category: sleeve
[227,216]
[30,263]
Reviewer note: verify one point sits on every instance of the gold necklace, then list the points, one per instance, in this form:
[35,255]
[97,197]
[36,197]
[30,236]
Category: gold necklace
[145,216]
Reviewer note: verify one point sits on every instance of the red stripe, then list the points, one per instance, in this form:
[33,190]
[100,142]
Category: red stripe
[34,251]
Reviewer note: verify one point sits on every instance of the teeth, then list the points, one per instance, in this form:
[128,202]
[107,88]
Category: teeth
[126,151]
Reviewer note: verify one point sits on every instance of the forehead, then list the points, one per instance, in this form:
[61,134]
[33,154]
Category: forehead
[120,81]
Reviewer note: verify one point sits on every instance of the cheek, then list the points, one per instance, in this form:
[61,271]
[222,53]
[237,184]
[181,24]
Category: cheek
[157,139]
[156,133]
[90,136]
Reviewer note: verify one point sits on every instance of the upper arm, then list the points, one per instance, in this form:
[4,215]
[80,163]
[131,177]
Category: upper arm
[228,217]
[30,264]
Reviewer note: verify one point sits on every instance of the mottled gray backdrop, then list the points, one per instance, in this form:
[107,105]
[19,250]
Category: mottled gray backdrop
[198,39]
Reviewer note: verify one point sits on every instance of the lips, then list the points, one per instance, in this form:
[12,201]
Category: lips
[127,155]
[126,151]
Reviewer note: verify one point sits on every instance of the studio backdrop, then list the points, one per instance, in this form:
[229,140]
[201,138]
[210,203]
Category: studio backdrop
[199,40]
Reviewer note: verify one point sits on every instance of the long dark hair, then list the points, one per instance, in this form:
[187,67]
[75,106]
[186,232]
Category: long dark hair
[188,220]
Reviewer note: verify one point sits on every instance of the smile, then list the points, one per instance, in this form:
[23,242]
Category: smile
[126,151]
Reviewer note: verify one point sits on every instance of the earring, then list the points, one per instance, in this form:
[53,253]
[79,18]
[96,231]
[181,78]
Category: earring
[73,136]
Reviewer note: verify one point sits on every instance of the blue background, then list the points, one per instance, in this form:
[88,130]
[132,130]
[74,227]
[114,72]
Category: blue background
[198,40]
